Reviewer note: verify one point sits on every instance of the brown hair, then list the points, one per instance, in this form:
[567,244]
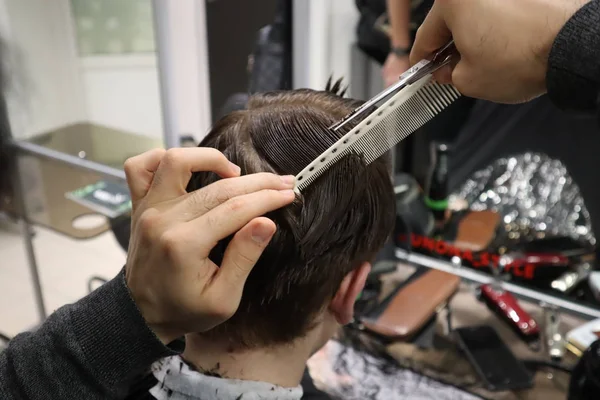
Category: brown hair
[340,221]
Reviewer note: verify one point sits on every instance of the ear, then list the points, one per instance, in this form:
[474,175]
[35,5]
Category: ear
[342,305]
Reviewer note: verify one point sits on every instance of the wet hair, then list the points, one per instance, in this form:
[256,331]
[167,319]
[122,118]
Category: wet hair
[340,221]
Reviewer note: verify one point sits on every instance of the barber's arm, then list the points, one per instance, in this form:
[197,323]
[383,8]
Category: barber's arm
[515,50]
[397,61]
[91,349]
[573,77]
[86,350]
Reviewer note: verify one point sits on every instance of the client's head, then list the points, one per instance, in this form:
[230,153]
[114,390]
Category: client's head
[310,275]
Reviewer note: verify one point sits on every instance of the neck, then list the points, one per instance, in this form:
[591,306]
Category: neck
[279,365]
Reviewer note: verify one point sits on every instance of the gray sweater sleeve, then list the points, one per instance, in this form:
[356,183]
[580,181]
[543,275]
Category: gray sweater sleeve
[573,78]
[87,350]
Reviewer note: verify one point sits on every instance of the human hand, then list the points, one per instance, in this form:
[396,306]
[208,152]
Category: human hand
[174,284]
[393,67]
[503,44]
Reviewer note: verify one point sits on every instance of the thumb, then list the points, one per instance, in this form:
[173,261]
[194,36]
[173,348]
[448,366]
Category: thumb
[242,253]
[139,172]
[431,35]
[444,74]
[463,78]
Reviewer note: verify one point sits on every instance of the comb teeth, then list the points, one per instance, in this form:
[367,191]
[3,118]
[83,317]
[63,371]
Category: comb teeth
[392,122]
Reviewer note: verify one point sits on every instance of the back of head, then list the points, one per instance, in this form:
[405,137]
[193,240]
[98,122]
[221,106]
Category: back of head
[338,222]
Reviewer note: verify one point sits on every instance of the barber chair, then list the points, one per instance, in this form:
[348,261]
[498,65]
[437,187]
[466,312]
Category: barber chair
[409,312]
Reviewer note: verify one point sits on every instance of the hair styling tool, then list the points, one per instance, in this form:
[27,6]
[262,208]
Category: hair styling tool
[567,281]
[413,101]
[508,309]
[594,283]
[555,340]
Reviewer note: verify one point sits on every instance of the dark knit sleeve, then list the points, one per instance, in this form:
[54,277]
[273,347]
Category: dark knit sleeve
[573,77]
[87,350]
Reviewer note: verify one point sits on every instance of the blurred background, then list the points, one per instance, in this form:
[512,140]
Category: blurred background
[87,84]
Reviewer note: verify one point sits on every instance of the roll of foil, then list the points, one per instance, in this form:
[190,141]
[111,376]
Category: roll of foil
[536,197]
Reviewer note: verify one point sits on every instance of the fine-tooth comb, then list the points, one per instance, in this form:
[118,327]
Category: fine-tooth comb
[415,100]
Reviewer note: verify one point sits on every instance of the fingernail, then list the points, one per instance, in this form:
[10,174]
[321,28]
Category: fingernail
[262,234]
[236,169]
[289,180]
[288,194]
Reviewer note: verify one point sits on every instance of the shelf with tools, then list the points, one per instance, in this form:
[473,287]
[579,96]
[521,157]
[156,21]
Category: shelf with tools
[471,276]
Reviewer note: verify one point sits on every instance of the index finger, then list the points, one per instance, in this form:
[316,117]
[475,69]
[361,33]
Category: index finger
[139,171]
[431,35]
[232,215]
[201,201]
[177,166]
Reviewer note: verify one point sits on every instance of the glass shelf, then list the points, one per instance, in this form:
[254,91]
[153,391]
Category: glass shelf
[46,178]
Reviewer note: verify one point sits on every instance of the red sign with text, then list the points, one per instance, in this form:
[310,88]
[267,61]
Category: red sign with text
[481,259]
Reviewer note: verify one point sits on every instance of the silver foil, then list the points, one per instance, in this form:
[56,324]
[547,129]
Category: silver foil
[535,195]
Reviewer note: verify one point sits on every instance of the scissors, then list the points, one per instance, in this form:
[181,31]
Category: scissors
[418,71]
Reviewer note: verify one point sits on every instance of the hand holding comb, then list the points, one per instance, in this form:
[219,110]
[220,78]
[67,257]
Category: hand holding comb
[412,102]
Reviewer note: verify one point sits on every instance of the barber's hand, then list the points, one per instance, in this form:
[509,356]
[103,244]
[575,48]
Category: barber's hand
[504,44]
[176,287]
[394,67]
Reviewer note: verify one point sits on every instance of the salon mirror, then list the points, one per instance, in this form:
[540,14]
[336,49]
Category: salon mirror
[525,203]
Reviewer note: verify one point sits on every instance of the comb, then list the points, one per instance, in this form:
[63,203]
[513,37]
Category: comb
[393,121]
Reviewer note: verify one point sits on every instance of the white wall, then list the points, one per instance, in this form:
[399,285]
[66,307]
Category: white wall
[45,89]
[121,91]
[51,86]
[324,31]
[183,48]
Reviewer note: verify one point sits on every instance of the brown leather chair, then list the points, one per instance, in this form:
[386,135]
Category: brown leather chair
[411,305]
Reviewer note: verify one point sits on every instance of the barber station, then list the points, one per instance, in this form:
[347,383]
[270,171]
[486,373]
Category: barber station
[486,287]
